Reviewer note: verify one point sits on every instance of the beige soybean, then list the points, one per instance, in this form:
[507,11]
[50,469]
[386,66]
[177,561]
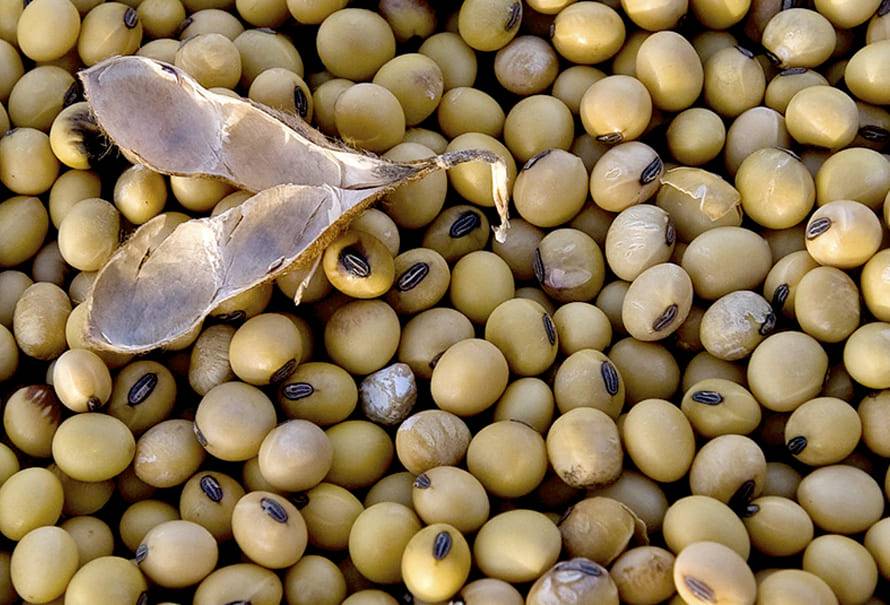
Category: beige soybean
[269,530]
[733,81]
[517,546]
[730,468]
[168,453]
[644,575]
[112,447]
[43,563]
[780,286]
[31,416]
[778,527]
[841,499]
[640,237]
[843,234]
[379,538]
[640,494]
[795,587]
[30,498]
[863,76]
[707,572]
[845,565]
[659,439]
[88,234]
[616,109]
[208,499]
[716,406]
[598,529]
[176,554]
[587,378]
[823,431]
[865,355]
[232,420]
[260,585]
[109,29]
[143,394]
[828,304]
[579,579]
[106,580]
[569,265]
[822,116]
[448,494]
[799,37]
[436,562]
[584,448]
[648,369]
[528,400]
[857,173]
[776,188]
[669,67]
[295,455]
[526,335]
[508,458]
[587,33]
[657,302]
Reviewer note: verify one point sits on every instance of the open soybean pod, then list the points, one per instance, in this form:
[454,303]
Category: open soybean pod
[167,277]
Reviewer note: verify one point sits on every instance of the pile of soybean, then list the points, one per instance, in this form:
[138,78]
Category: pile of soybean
[670,384]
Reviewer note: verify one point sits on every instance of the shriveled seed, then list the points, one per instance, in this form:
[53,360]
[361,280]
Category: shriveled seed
[410,279]
[142,389]
[273,509]
[442,545]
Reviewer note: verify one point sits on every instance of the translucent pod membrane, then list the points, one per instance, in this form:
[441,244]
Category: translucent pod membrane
[169,275]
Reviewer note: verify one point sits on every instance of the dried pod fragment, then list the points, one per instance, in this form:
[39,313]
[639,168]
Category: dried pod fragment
[309,190]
